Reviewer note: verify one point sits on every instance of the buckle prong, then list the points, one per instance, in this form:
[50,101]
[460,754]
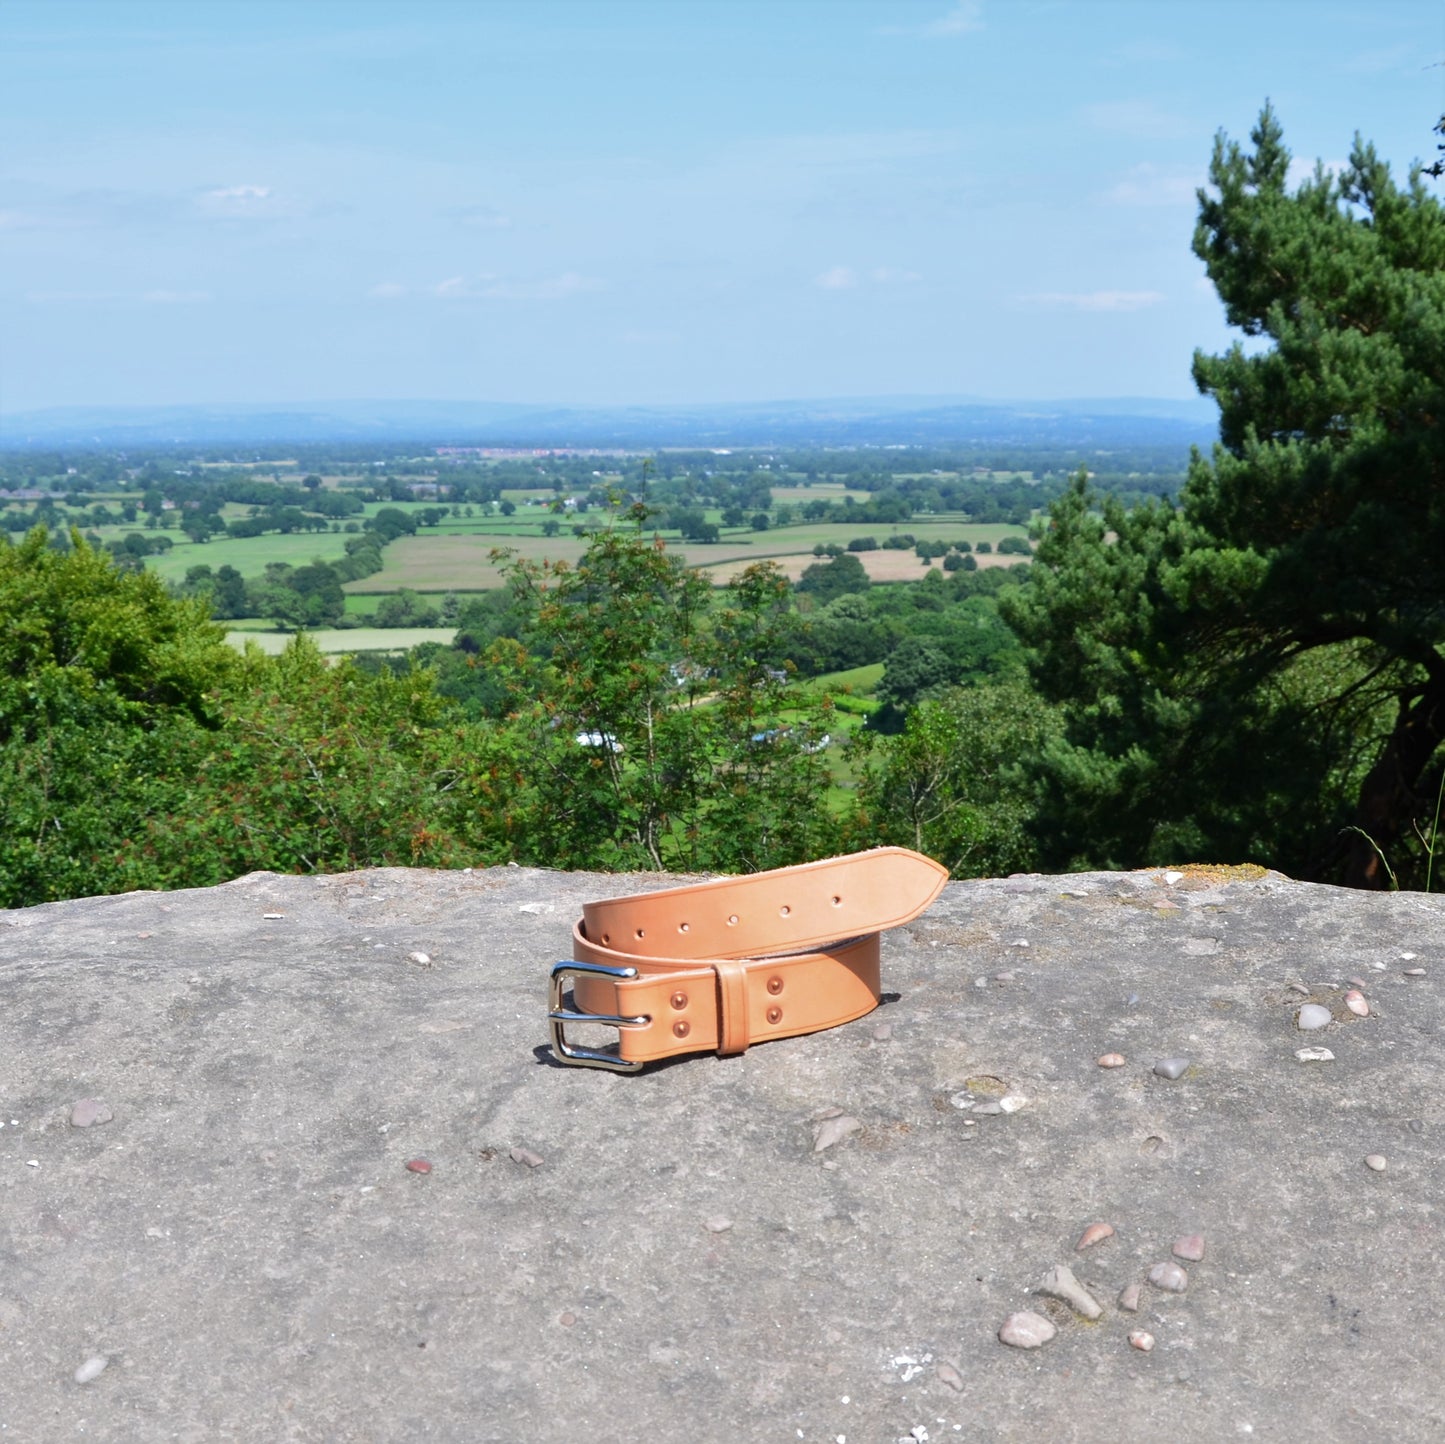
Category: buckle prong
[558,1017]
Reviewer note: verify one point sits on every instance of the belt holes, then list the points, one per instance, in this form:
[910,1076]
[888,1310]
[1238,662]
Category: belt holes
[784,911]
[837,902]
[775,986]
[733,921]
[775,1015]
[682,927]
[679,1001]
[681,1029]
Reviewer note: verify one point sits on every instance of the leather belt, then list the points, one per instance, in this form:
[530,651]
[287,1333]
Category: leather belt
[722,965]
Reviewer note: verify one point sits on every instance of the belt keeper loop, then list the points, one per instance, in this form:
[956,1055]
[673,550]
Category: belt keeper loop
[732,1013]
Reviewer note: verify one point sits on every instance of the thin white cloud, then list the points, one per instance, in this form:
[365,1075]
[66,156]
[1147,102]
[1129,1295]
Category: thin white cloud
[965,17]
[1152,185]
[238,201]
[1141,118]
[837,278]
[495,288]
[893,276]
[387,291]
[1096,300]
[483,218]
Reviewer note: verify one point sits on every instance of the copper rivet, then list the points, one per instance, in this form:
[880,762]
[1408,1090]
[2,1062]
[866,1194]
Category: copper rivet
[775,985]
[775,1015]
[679,1001]
[682,927]
[681,1029]
[733,921]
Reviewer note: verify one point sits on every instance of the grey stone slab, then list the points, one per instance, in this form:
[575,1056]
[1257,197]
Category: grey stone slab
[244,1247]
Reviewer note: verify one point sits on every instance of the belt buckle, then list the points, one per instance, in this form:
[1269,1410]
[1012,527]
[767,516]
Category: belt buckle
[558,1017]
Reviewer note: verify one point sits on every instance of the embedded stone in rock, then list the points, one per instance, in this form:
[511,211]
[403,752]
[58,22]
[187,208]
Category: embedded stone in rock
[1060,1283]
[92,1368]
[1142,1340]
[1111,1060]
[1095,1233]
[525,1155]
[1355,1002]
[88,1111]
[422,960]
[1312,1016]
[718,1224]
[1129,1298]
[1314,1055]
[1169,1277]
[834,1130]
[1171,1068]
[950,1376]
[1375,1162]
[418,1165]
[1189,1247]
[1026,1330]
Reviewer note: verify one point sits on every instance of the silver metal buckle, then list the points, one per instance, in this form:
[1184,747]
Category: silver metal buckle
[558,1017]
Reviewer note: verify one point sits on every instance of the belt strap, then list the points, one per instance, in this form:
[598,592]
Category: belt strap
[720,965]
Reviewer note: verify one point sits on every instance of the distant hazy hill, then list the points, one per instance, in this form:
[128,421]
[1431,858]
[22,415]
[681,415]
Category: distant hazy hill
[884,421]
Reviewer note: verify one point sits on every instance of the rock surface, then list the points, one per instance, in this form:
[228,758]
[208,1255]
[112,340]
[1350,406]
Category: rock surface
[244,1248]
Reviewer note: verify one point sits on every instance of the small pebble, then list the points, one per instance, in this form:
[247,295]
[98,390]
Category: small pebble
[1314,1055]
[525,1155]
[1026,1330]
[418,1165]
[1142,1340]
[1357,983]
[950,1376]
[1299,988]
[883,1032]
[1132,1001]
[1095,1233]
[272,917]
[1012,1102]
[1408,957]
[1355,1002]
[1005,977]
[1129,1298]
[420,959]
[88,1111]
[1111,1060]
[718,1224]
[536,909]
[1414,972]
[92,1368]
[1189,1247]
[1375,1162]
[1171,1067]
[567,1319]
[1169,1277]
[1312,1016]
[834,1130]
[1060,1283]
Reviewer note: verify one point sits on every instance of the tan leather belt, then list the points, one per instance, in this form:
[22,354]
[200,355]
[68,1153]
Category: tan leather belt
[721,965]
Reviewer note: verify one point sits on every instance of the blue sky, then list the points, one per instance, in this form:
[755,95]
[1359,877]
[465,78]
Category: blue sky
[598,202]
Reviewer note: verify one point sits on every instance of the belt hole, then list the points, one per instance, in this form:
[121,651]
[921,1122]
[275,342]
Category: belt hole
[784,911]
[837,902]
[605,939]
[682,927]
[775,986]
[679,1001]
[681,1029]
[639,932]
[733,921]
[775,1015]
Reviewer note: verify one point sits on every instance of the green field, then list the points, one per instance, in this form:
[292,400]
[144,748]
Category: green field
[343,641]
